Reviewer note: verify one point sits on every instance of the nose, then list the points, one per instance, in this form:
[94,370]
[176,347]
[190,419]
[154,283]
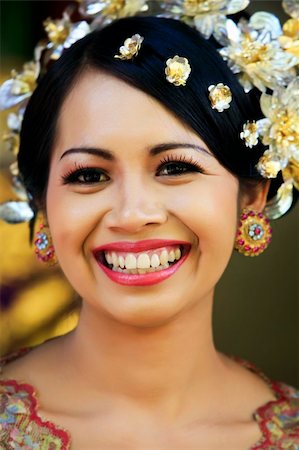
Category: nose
[135,206]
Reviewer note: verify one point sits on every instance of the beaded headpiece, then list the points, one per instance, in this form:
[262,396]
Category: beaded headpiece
[262,53]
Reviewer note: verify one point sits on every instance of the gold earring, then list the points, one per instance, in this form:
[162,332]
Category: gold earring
[44,248]
[254,233]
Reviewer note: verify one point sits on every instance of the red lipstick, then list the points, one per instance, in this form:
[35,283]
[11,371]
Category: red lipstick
[139,246]
[146,279]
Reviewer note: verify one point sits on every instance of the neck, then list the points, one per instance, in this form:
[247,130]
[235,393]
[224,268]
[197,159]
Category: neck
[159,366]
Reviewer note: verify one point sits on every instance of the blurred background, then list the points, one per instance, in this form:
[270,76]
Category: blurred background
[256,313]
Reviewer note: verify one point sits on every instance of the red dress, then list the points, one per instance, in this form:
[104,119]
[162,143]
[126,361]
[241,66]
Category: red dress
[21,426]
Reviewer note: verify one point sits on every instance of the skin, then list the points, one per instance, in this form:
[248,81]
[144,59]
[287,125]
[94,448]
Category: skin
[141,370]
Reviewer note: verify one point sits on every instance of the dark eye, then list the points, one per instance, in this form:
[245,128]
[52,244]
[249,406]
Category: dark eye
[85,176]
[178,168]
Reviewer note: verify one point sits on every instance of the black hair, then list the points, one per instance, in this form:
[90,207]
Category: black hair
[163,39]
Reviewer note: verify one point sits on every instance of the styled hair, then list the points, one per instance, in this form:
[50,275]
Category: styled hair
[163,39]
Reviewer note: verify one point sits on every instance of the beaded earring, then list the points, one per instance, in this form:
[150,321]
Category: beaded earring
[44,249]
[254,233]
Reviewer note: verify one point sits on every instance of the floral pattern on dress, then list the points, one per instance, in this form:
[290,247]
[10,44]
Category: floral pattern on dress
[20,426]
[279,420]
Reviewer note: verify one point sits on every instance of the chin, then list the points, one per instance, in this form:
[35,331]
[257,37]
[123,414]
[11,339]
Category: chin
[142,312]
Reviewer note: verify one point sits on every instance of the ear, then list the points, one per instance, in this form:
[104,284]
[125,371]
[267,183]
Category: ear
[254,196]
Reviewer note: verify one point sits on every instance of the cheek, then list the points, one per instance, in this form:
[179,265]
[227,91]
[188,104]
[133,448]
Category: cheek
[210,210]
[70,219]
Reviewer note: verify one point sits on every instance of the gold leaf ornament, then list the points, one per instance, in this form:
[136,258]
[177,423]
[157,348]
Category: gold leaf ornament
[280,127]
[177,70]
[57,30]
[205,15]
[112,9]
[291,172]
[290,38]
[291,7]
[257,56]
[281,202]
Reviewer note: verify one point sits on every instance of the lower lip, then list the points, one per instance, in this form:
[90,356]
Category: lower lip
[146,279]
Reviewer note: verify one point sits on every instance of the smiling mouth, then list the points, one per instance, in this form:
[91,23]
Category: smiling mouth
[139,263]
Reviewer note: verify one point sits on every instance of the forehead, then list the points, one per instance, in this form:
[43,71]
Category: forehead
[103,109]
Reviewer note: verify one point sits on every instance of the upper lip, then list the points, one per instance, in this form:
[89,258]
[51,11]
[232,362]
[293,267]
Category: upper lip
[139,246]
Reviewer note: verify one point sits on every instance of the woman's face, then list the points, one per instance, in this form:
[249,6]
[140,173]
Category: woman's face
[132,188]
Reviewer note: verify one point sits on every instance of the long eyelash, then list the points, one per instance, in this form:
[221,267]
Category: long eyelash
[169,158]
[79,168]
[65,178]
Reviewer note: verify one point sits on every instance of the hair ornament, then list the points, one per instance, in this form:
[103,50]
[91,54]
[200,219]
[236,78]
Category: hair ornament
[205,16]
[250,134]
[177,70]
[130,48]
[253,51]
[62,33]
[220,96]
[279,131]
[16,212]
[261,52]
[281,203]
[103,12]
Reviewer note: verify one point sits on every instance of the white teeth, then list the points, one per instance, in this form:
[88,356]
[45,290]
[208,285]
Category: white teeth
[164,257]
[143,261]
[177,253]
[130,262]
[140,271]
[155,260]
[115,259]
[121,261]
[171,256]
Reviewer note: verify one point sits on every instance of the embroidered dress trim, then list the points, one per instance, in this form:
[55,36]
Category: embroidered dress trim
[22,428]
[20,425]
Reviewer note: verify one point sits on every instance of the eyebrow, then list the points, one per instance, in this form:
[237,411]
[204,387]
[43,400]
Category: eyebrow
[153,151]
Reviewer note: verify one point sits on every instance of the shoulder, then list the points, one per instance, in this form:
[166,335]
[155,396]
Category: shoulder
[32,363]
[20,424]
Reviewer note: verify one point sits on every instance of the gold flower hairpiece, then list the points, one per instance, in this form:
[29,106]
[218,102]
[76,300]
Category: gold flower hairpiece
[250,134]
[130,48]
[177,70]
[220,96]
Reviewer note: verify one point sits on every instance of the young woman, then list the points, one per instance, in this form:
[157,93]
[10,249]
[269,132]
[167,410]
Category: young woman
[142,184]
